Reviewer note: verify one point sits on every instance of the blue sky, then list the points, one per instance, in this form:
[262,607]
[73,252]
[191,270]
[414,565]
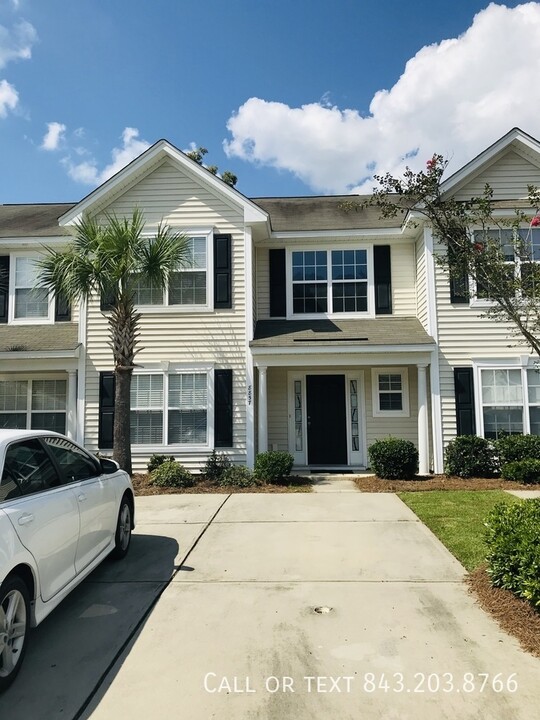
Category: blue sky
[296,98]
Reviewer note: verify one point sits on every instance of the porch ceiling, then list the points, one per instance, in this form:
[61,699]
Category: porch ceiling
[38,338]
[353,334]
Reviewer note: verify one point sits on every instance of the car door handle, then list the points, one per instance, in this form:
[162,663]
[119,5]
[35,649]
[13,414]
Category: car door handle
[81,497]
[25,519]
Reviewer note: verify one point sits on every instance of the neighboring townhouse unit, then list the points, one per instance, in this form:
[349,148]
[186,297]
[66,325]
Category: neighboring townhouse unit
[297,325]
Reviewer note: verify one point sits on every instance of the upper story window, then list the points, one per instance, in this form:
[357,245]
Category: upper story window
[28,304]
[520,250]
[330,281]
[21,302]
[189,286]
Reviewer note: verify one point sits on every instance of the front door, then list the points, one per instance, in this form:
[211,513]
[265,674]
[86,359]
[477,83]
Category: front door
[326,420]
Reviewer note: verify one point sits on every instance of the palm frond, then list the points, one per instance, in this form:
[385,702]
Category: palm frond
[67,273]
[161,255]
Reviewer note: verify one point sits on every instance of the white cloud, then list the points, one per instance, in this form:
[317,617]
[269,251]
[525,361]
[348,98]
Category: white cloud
[455,98]
[8,98]
[54,136]
[16,43]
[87,172]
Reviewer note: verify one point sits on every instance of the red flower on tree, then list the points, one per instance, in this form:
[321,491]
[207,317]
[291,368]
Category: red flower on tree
[535,221]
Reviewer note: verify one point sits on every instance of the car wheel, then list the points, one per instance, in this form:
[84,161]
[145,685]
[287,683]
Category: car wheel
[14,628]
[123,530]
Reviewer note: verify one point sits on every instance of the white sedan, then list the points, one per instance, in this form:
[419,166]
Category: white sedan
[62,511]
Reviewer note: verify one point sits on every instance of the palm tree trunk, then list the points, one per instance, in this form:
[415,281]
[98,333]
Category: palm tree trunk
[123,328]
[122,420]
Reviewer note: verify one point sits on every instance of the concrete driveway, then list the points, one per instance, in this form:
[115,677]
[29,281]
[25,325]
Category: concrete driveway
[275,606]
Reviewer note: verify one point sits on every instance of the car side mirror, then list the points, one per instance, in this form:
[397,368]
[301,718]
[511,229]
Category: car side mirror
[108,467]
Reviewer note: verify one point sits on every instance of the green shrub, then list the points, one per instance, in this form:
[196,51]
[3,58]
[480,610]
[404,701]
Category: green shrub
[513,540]
[171,474]
[470,456]
[238,476]
[393,458]
[273,466]
[216,466]
[518,447]
[522,471]
[157,460]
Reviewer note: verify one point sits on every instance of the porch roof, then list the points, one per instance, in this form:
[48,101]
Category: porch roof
[17,339]
[355,334]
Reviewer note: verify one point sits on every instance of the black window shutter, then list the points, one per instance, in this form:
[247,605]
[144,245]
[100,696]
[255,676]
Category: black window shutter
[459,290]
[62,309]
[106,410]
[4,288]
[223,413]
[278,283]
[464,390]
[383,279]
[459,279]
[222,271]
[108,298]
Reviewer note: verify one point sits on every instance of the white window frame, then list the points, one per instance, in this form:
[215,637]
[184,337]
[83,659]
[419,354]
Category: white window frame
[523,364]
[475,301]
[328,247]
[12,320]
[207,233]
[174,369]
[29,411]
[403,372]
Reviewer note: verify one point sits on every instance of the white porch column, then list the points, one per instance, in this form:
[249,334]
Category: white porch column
[263,411]
[423,446]
[71,424]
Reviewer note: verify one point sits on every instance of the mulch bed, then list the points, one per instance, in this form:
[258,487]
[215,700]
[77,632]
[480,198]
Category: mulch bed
[437,482]
[516,616]
[295,484]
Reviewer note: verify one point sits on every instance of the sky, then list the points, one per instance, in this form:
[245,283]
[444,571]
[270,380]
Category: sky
[296,98]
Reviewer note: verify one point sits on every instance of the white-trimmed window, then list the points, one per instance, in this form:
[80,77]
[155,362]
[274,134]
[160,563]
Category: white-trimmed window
[28,303]
[190,286]
[390,392]
[169,409]
[33,405]
[326,282]
[509,401]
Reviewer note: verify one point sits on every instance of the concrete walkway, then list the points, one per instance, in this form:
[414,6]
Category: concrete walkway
[333,483]
[525,494]
[305,606]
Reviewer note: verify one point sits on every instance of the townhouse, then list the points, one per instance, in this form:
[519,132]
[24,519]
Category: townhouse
[297,325]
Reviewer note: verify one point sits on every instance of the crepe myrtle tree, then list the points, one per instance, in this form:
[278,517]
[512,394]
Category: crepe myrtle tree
[110,259]
[485,254]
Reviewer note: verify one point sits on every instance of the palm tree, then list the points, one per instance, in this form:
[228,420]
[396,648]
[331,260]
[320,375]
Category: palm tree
[111,260]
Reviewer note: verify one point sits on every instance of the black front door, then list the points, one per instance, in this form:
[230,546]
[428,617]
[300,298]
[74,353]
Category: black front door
[326,420]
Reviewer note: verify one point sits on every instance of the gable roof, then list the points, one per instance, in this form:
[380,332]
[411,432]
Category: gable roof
[36,220]
[515,138]
[146,162]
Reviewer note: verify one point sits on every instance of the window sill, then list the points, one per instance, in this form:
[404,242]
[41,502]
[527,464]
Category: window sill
[331,316]
[391,414]
[31,321]
[167,449]
[174,309]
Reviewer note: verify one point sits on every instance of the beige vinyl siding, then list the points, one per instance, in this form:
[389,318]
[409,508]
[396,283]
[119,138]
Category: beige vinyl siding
[508,177]
[214,338]
[465,335]
[403,279]
[421,282]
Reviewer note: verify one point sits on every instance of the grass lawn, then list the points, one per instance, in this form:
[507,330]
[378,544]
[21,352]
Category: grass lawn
[457,518]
